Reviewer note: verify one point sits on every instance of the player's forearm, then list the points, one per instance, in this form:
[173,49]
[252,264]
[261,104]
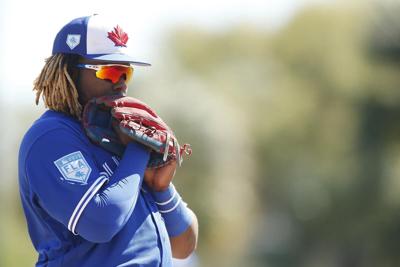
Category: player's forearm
[184,244]
[110,209]
[180,221]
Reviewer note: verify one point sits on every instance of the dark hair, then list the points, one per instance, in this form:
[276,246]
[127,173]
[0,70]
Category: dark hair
[56,85]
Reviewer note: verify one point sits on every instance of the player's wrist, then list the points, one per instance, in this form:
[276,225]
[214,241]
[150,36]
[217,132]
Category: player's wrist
[164,195]
[173,209]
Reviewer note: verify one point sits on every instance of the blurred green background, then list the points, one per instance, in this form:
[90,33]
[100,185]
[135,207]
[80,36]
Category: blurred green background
[295,136]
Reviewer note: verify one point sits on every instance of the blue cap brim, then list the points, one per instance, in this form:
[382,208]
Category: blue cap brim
[118,57]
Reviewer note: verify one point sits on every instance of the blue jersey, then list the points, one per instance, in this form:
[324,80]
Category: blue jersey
[84,206]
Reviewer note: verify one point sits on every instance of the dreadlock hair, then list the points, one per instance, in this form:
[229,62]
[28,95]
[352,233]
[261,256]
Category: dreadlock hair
[56,85]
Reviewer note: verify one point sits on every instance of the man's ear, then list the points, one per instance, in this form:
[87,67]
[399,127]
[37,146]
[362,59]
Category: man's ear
[73,71]
[75,75]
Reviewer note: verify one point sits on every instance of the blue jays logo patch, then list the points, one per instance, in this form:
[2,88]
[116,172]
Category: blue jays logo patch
[74,167]
[73,40]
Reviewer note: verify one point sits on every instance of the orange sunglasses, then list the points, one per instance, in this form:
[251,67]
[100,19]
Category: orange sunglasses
[110,72]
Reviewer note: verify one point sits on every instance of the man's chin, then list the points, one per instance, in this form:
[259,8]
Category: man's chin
[120,94]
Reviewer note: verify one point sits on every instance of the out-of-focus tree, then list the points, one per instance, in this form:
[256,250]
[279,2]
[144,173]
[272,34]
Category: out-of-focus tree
[15,247]
[316,103]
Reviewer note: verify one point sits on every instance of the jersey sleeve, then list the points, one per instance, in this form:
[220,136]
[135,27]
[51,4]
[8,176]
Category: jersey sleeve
[64,177]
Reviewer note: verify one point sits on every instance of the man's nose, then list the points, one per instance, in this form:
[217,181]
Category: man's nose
[120,86]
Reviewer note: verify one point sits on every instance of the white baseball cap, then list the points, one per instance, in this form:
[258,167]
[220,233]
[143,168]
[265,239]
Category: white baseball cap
[94,37]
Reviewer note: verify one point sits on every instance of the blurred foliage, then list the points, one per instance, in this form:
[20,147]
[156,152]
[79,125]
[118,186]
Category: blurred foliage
[295,137]
[15,246]
[317,102]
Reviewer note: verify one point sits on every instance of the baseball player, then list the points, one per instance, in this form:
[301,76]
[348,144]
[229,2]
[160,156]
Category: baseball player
[84,205]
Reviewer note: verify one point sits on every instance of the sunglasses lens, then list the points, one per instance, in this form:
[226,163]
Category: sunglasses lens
[114,73]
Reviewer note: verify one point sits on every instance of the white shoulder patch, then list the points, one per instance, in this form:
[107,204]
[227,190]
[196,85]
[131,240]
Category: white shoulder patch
[74,167]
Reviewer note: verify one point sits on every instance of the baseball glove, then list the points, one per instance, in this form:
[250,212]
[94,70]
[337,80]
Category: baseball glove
[138,121]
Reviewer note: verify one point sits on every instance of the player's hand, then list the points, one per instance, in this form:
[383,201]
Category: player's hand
[158,179]
[125,139]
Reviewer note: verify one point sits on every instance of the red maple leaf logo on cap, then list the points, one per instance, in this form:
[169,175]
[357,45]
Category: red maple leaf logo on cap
[118,36]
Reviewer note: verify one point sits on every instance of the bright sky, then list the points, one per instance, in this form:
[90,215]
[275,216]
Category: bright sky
[28,28]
